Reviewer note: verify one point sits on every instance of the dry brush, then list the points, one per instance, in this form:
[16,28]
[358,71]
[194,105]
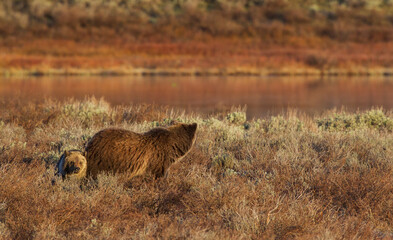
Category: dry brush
[282,177]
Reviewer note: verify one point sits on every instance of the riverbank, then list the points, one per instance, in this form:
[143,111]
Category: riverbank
[203,37]
[42,56]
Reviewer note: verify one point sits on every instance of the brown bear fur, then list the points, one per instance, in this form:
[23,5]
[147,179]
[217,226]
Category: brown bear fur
[150,153]
[72,165]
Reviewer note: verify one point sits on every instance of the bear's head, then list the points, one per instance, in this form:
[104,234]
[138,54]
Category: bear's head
[72,165]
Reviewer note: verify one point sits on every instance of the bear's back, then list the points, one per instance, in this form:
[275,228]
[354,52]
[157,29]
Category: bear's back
[123,151]
[115,150]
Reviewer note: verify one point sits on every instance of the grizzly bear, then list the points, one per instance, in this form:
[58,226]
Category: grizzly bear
[134,154]
[72,165]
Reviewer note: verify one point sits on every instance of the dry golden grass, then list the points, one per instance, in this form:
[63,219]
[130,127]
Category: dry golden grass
[283,177]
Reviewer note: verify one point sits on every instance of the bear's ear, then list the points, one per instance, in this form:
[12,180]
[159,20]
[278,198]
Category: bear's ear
[84,153]
[60,164]
[66,153]
[191,129]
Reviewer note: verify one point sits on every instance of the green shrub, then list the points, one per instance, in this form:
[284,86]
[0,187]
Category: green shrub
[236,117]
[224,161]
[373,119]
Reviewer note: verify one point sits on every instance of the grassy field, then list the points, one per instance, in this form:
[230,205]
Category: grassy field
[284,177]
[201,37]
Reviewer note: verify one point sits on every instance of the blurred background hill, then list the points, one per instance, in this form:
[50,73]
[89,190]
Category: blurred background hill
[307,36]
[278,21]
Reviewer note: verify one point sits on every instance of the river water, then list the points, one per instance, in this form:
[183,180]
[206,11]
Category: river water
[262,96]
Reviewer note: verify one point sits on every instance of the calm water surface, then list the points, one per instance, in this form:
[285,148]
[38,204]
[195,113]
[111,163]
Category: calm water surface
[262,96]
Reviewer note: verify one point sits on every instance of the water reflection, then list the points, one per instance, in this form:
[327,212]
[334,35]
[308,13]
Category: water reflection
[263,96]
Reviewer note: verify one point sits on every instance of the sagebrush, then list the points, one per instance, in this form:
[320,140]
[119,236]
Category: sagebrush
[283,177]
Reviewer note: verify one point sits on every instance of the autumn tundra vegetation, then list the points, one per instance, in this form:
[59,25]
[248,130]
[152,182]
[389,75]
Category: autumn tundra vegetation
[290,176]
[325,175]
[201,37]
